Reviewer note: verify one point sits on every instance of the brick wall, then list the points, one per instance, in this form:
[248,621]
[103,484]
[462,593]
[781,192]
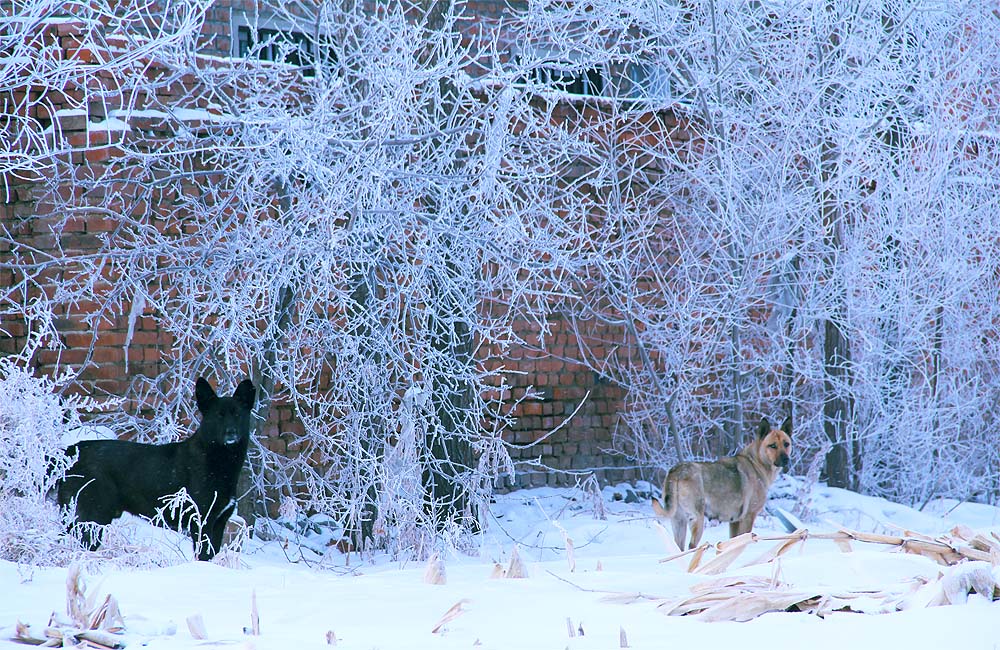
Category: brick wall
[570,422]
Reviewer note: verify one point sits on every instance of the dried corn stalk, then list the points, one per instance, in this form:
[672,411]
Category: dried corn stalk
[89,625]
[741,598]
[453,612]
[435,572]
[729,551]
[515,568]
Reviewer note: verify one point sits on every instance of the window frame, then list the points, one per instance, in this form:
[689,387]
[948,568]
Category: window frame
[550,65]
[272,31]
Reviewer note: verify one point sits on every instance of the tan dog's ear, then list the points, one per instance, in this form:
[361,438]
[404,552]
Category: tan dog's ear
[764,428]
[787,426]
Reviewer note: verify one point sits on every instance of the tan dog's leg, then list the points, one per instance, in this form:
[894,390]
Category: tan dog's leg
[680,525]
[697,528]
[744,525]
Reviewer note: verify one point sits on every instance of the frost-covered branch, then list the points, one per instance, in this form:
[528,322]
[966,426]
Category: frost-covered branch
[824,169]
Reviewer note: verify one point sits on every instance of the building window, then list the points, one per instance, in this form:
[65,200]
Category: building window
[559,71]
[562,77]
[278,45]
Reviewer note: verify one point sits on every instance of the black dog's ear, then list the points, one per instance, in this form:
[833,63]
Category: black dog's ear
[764,428]
[204,396]
[246,394]
[786,426]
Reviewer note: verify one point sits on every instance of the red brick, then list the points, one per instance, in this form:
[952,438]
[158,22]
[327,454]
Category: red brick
[531,408]
[101,153]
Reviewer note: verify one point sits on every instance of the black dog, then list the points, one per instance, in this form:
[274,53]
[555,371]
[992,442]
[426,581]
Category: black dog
[114,476]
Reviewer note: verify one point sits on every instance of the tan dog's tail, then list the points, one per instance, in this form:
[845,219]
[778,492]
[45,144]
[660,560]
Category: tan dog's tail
[667,509]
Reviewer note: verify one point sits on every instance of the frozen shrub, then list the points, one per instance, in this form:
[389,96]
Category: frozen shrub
[34,421]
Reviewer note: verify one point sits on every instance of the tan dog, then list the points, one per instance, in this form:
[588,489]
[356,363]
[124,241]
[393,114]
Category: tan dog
[731,489]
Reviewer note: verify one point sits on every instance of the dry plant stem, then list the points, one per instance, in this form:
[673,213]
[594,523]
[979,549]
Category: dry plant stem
[946,551]
[453,612]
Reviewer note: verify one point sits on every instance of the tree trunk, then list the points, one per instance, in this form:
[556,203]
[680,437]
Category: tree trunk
[836,408]
[449,451]
[361,525]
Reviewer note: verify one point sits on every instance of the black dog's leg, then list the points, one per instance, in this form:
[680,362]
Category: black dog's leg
[90,534]
[204,548]
[91,513]
[215,528]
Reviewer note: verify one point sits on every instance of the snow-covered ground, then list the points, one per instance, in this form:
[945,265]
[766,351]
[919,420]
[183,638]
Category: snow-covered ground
[618,593]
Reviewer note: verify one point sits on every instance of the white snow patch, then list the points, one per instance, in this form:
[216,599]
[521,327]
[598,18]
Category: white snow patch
[109,124]
[183,114]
